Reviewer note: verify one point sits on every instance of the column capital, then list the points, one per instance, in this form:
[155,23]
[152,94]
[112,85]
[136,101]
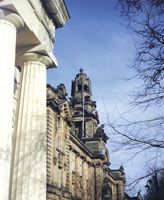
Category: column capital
[34,57]
[12,17]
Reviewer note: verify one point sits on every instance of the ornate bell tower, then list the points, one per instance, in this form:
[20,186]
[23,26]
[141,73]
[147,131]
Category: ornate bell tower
[85,115]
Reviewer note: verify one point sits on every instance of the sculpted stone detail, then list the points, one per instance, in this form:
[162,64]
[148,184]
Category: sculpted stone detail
[78,100]
[100,133]
[55,160]
[61,91]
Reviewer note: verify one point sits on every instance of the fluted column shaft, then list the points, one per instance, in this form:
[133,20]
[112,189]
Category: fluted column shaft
[9,24]
[29,175]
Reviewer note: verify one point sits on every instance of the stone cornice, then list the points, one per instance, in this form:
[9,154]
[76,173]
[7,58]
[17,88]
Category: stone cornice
[53,104]
[57,10]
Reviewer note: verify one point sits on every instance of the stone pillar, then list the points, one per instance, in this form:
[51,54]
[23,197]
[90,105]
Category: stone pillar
[98,179]
[77,176]
[84,182]
[10,23]
[29,164]
[70,170]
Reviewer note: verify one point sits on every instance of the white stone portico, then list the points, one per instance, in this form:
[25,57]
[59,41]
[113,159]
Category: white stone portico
[27,30]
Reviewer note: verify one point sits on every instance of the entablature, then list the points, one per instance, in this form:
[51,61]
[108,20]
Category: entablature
[39,26]
[57,11]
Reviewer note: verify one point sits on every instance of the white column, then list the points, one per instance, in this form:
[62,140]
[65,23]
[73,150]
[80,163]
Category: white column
[29,174]
[9,24]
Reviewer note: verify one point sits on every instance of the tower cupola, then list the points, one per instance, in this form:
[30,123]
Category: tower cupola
[84,108]
[81,90]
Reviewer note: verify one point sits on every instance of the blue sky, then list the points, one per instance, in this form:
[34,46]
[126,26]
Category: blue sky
[96,39]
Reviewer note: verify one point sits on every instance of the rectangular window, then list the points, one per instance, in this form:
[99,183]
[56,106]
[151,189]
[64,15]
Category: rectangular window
[86,171]
[58,133]
[59,177]
[64,178]
[73,161]
[73,189]
[81,167]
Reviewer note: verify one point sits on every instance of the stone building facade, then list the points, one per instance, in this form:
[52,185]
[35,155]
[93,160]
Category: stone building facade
[67,159]
[77,158]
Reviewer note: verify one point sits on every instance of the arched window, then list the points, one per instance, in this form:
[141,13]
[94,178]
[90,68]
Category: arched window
[106,192]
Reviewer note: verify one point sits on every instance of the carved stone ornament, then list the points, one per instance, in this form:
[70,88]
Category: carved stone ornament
[61,91]
[100,133]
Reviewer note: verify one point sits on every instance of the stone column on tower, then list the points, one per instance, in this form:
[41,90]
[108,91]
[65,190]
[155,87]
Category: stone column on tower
[10,23]
[29,164]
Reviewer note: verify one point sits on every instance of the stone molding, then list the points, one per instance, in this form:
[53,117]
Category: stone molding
[34,57]
[58,12]
[13,18]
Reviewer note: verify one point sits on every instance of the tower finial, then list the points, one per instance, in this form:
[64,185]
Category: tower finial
[81,70]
